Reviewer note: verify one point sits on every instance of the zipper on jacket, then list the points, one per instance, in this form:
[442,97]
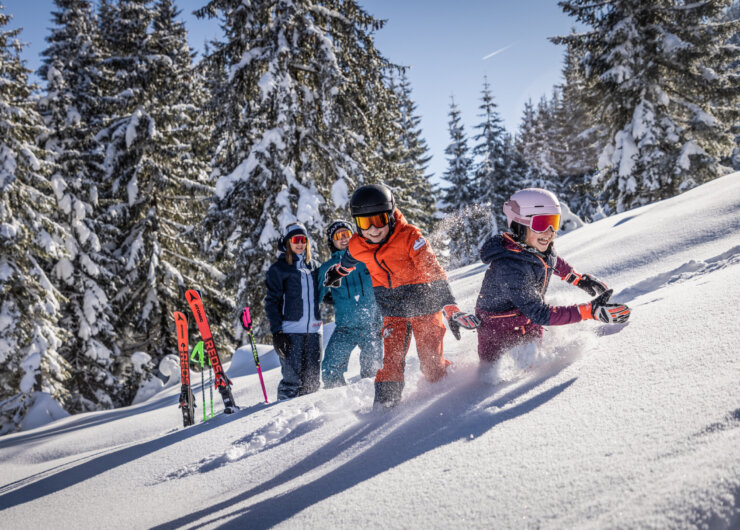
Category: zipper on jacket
[308,291]
[544,283]
[308,297]
[385,269]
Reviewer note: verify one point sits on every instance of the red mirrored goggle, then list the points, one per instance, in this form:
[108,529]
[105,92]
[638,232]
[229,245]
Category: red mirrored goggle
[339,234]
[378,220]
[540,223]
[298,240]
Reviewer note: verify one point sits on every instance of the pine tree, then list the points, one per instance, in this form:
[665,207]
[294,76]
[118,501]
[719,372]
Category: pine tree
[459,197]
[582,138]
[71,67]
[413,190]
[491,165]
[545,132]
[582,131]
[213,111]
[302,127]
[185,147]
[556,140]
[515,172]
[156,180]
[390,151]
[531,143]
[733,15]
[657,81]
[523,139]
[30,363]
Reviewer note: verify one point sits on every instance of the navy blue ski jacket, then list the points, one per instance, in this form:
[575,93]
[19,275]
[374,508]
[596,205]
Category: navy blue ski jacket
[517,279]
[292,299]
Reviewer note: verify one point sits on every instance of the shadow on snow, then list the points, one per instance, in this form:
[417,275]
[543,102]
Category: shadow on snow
[51,482]
[380,443]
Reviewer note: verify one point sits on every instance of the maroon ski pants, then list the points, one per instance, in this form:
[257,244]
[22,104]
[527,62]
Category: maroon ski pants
[499,332]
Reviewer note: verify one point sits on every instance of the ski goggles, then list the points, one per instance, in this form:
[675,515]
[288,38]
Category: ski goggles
[378,220]
[341,234]
[298,240]
[540,223]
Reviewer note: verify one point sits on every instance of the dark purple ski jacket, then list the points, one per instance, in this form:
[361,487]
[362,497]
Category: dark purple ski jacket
[517,280]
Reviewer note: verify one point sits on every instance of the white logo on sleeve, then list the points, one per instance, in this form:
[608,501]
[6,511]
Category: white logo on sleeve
[419,243]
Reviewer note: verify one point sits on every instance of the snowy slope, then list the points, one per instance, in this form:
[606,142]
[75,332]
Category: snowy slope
[634,426]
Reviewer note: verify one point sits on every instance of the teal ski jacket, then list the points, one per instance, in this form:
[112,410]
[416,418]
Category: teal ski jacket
[354,301]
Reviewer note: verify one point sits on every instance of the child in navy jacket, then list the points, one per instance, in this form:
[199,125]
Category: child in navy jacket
[511,304]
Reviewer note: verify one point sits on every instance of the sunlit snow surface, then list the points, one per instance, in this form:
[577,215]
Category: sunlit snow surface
[634,426]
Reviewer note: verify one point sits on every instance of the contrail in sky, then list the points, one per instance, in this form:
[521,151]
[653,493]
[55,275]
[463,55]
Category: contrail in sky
[497,52]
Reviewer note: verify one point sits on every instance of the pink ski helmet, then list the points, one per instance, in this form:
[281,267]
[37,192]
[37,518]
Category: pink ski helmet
[533,208]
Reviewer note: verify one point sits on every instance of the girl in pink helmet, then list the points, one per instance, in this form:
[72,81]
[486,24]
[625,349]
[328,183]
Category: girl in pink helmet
[511,304]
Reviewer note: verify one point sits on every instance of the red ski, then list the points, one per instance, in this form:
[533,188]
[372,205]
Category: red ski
[187,403]
[221,382]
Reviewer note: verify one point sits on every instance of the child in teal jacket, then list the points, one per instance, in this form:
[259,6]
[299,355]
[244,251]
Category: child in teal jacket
[358,321]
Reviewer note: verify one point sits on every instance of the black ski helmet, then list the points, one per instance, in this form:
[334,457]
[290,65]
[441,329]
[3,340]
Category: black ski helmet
[333,227]
[371,199]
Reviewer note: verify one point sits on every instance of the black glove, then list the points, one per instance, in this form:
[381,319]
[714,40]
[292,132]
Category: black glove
[456,319]
[600,309]
[454,328]
[281,343]
[588,283]
[334,274]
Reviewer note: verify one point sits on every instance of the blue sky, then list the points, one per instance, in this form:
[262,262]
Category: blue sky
[449,45]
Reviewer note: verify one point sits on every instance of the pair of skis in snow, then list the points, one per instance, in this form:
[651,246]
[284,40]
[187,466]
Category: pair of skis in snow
[222,383]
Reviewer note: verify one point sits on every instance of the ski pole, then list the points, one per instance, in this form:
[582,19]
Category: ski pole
[210,383]
[247,323]
[198,356]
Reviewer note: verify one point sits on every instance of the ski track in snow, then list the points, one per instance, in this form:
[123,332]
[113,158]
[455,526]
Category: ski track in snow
[558,351]
[730,422]
[286,425]
[690,270]
[283,427]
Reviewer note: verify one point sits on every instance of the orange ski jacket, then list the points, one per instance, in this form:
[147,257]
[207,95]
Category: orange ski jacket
[408,281]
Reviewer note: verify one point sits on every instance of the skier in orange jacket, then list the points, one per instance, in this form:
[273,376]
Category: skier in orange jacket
[410,288]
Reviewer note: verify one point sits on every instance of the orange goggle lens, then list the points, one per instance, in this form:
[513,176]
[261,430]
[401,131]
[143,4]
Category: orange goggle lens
[377,220]
[298,240]
[540,223]
[339,234]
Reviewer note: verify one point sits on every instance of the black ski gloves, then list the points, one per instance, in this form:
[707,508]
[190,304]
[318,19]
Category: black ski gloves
[600,309]
[281,343]
[588,283]
[334,274]
[457,319]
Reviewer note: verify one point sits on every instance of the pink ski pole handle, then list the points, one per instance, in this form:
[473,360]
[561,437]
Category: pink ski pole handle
[247,321]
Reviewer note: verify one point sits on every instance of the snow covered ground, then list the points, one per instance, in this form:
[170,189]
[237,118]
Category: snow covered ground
[634,426]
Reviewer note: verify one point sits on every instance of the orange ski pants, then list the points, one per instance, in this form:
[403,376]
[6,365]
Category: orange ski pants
[428,331]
